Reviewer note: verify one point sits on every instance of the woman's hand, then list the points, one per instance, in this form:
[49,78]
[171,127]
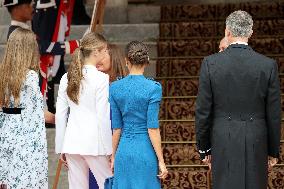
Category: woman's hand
[163,170]
[112,163]
[207,161]
[63,160]
[49,117]
[271,163]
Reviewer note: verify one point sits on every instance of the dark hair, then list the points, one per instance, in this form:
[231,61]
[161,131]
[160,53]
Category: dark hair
[10,8]
[137,53]
[117,59]
[20,2]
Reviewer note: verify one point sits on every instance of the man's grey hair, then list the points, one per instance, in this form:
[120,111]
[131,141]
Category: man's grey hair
[240,23]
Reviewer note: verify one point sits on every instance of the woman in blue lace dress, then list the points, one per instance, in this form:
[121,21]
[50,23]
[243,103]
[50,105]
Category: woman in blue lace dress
[23,148]
[135,100]
[113,64]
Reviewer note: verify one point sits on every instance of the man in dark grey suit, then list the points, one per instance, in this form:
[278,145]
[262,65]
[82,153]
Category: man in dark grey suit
[238,110]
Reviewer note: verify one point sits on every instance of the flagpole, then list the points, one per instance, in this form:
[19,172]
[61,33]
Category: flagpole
[58,170]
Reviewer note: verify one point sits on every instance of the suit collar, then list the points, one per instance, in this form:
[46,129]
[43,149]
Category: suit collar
[239,46]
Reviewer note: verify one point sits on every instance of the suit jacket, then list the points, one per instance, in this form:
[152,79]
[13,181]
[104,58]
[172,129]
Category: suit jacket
[87,129]
[238,116]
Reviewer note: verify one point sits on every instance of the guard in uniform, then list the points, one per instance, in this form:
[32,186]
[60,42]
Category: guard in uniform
[23,11]
[51,24]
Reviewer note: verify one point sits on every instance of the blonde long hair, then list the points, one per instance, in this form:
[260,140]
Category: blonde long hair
[21,55]
[88,44]
[118,63]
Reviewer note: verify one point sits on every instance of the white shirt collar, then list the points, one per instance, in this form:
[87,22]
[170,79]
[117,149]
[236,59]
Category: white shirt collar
[20,24]
[239,42]
[90,66]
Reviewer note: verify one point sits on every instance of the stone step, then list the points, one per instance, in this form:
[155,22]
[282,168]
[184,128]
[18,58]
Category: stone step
[134,14]
[62,184]
[122,32]
[142,13]
[187,177]
[190,66]
[185,153]
[179,86]
[206,46]
[188,86]
[183,108]
[215,29]
[193,178]
[184,130]
[186,12]
[113,32]
[52,162]
[5,18]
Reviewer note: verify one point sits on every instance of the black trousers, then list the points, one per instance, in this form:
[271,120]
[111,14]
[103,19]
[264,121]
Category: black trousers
[50,90]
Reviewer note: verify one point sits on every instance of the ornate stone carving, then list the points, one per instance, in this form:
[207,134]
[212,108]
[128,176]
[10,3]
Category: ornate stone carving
[178,131]
[216,29]
[184,108]
[181,154]
[192,47]
[187,178]
[220,11]
[179,87]
[204,47]
[178,108]
[276,178]
[191,67]
[180,67]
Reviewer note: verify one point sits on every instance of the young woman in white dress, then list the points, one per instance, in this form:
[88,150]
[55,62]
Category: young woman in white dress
[83,135]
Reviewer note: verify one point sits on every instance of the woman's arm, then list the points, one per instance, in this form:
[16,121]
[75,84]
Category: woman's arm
[61,114]
[115,140]
[153,127]
[103,112]
[155,138]
[116,123]
[49,117]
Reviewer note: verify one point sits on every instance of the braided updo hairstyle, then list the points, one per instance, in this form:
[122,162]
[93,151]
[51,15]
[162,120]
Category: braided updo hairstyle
[137,53]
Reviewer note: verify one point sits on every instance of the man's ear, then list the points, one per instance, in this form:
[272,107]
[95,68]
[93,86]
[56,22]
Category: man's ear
[251,34]
[227,33]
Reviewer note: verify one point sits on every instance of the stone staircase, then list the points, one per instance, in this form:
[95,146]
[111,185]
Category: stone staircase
[185,35]
[188,33]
